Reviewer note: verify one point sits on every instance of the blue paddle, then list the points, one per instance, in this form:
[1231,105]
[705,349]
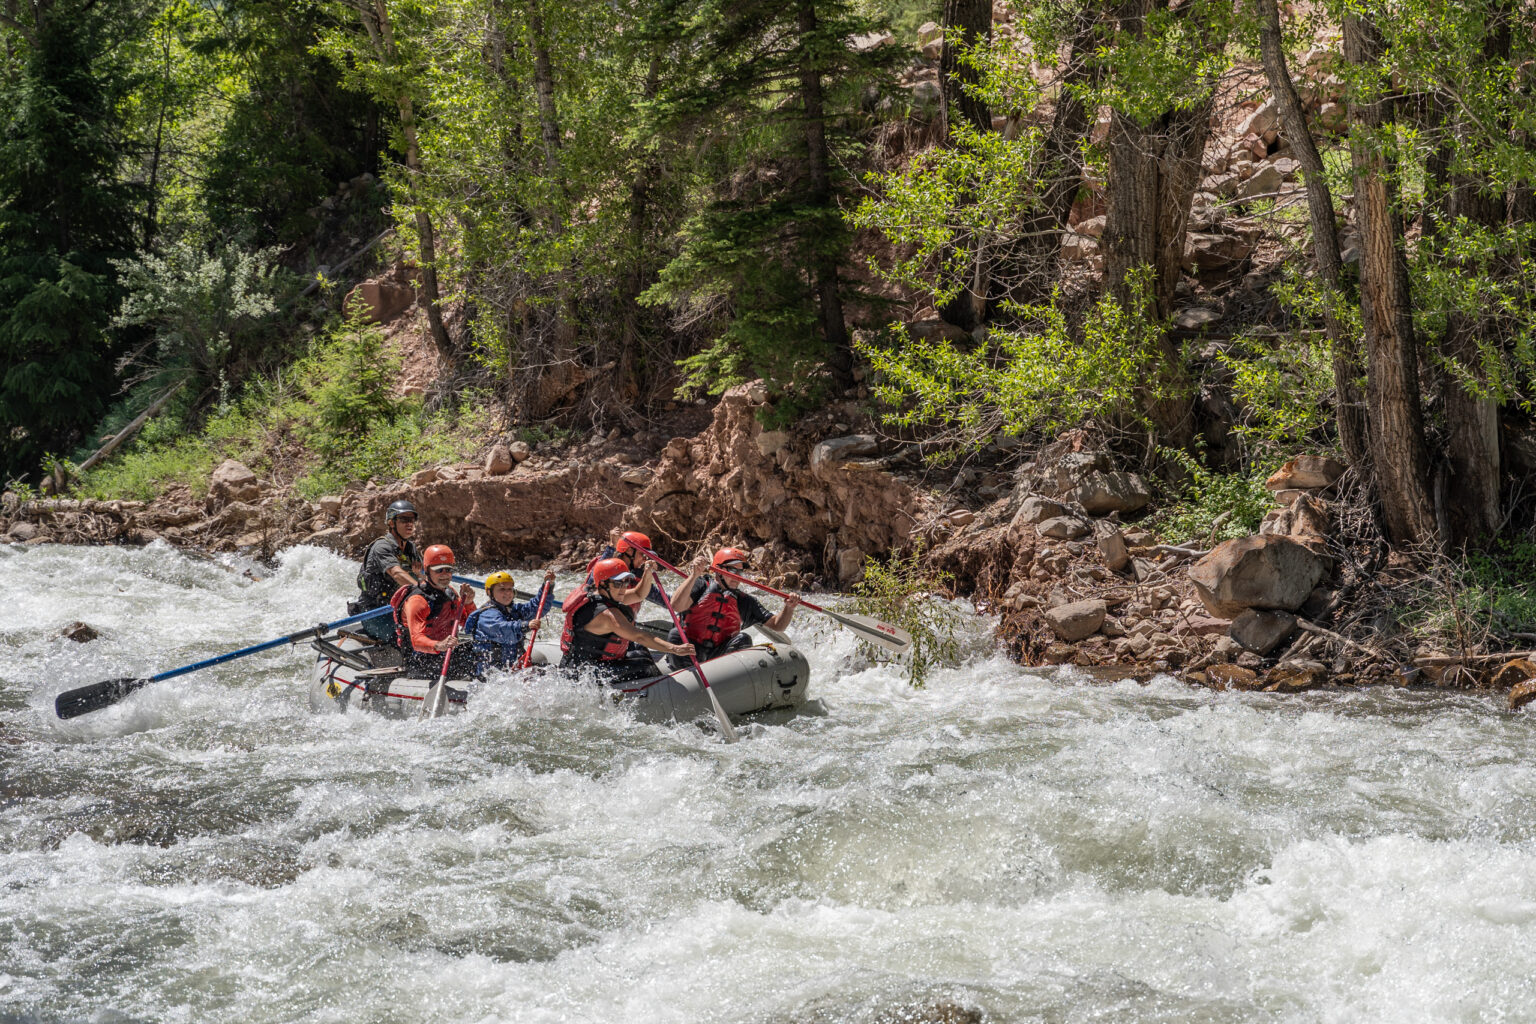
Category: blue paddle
[85,699]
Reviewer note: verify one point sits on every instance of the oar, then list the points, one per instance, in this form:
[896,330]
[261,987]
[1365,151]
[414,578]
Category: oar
[433,705]
[549,589]
[726,729]
[85,699]
[881,634]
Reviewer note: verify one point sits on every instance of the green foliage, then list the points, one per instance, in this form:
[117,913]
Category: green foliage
[1282,385]
[63,216]
[1485,594]
[1238,501]
[331,416]
[205,312]
[1044,375]
[900,590]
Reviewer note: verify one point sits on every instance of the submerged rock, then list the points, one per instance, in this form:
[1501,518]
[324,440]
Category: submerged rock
[79,632]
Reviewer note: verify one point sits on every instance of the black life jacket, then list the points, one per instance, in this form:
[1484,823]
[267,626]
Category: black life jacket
[438,602]
[714,618]
[581,607]
[377,589]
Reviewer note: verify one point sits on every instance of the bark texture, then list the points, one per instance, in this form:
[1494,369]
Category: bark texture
[1396,436]
[828,289]
[1347,367]
[966,23]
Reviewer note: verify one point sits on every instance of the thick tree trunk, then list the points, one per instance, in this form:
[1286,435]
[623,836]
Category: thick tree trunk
[967,23]
[384,35]
[1399,457]
[1153,171]
[1347,369]
[824,272]
[1473,511]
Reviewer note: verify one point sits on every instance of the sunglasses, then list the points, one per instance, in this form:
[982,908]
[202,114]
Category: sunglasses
[406,519]
[733,567]
[442,568]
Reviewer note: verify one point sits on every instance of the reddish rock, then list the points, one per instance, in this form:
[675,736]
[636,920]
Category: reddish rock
[1261,631]
[232,481]
[498,461]
[1306,471]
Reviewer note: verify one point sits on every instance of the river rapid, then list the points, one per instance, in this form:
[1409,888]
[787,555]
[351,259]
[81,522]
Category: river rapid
[1023,847]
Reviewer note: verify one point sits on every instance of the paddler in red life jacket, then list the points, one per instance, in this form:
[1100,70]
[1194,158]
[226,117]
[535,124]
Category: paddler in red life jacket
[716,613]
[600,628]
[626,547]
[427,618]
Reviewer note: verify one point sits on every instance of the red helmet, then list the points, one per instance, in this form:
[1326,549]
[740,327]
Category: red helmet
[630,540]
[437,554]
[725,555]
[610,569]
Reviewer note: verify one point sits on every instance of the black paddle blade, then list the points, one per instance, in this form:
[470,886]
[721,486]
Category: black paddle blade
[84,699]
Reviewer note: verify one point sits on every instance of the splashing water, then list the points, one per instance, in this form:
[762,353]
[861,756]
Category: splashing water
[1029,848]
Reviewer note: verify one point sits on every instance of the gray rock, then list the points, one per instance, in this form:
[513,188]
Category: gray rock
[1260,630]
[520,450]
[1255,572]
[20,533]
[637,477]
[1266,178]
[1063,528]
[850,565]
[1265,118]
[831,454]
[1036,509]
[330,505]
[1101,493]
[1078,620]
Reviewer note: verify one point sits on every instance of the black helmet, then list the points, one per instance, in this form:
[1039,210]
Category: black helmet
[399,508]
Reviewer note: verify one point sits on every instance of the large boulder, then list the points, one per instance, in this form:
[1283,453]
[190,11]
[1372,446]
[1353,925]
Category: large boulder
[1078,620]
[836,453]
[1101,493]
[233,481]
[1256,572]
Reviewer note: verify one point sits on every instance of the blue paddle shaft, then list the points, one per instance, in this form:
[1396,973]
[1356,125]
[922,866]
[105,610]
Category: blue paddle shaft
[292,638]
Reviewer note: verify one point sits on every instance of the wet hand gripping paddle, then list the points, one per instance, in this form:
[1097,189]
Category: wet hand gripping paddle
[882,634]
[84,699]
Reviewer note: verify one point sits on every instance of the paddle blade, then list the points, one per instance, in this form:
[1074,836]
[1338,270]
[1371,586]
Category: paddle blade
[726,728]
[881,634]
[84,699]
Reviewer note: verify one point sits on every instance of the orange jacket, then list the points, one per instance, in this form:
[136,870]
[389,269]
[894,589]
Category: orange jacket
[427,629]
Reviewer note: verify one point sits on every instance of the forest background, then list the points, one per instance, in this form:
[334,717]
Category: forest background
[604,208]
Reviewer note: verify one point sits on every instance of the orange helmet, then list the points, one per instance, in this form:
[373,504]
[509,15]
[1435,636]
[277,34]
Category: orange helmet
[610,569]
[437,554]
[631,540]
[725,555]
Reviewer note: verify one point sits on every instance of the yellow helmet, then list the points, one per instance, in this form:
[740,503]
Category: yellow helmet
[497,577]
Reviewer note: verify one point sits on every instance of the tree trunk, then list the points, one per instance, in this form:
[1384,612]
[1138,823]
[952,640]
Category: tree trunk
[967,22]
[1347,370]
[1472,451]
[824,272]
[384,35]
[544,88]
[1396,419]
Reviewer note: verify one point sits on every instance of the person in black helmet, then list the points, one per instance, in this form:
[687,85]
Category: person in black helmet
[391,562]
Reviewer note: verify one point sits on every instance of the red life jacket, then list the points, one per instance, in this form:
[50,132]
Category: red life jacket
[714,617]
[581,607]
[443,611]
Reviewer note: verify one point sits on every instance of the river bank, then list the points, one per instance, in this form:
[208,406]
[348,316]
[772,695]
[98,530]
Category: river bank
[1053,544]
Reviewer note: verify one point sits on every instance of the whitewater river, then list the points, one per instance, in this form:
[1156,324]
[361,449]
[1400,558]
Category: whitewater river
[1021,847]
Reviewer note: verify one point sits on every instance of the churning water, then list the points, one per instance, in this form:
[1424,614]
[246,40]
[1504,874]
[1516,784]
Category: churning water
[1027,848]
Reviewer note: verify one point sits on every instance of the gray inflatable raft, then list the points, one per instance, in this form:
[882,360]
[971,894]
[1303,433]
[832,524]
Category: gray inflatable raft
[767,676]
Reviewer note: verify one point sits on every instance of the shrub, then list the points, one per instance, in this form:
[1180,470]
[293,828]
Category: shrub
[905,593]
[1234,504]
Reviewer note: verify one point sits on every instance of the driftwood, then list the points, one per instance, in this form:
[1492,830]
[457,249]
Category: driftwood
[1454,659]
[133,428]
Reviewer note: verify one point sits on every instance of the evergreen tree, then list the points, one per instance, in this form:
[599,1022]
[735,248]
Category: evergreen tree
[63,217]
